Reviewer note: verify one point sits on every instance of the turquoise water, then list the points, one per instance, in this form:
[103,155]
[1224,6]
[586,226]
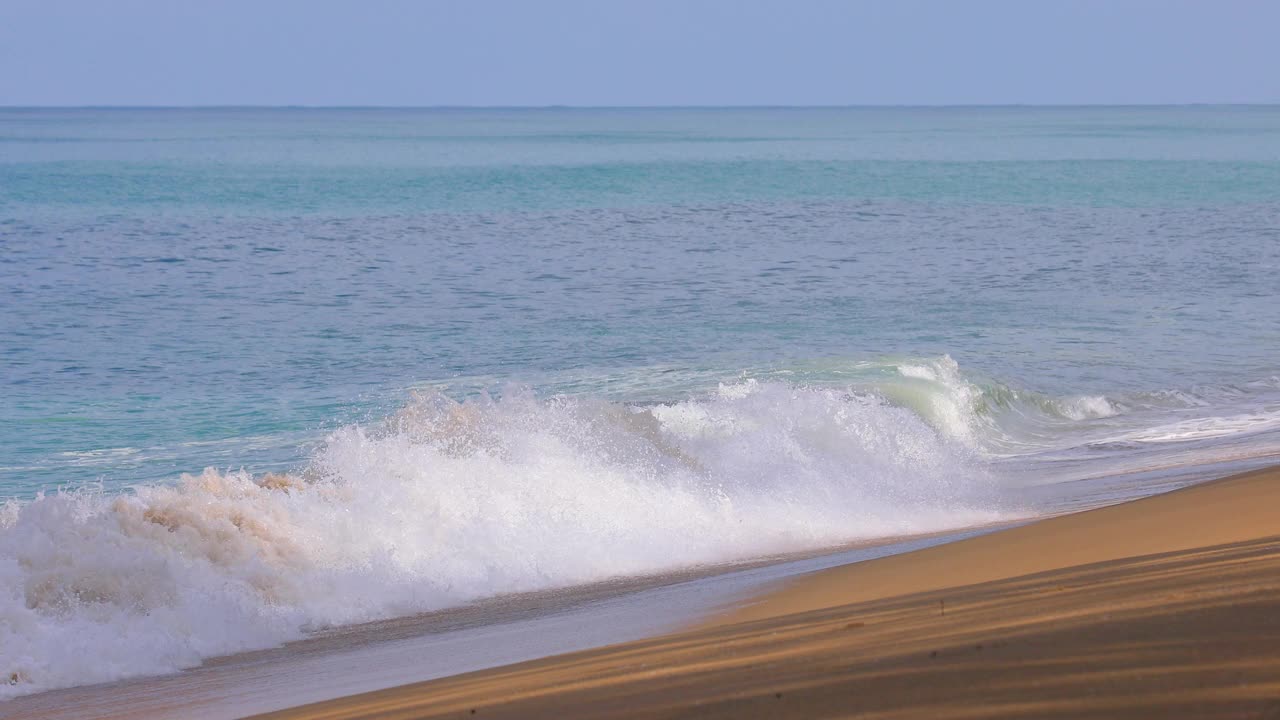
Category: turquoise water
[218,287]
[498,350]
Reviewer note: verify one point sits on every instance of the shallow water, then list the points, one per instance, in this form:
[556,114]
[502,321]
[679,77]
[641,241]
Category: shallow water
[507,350]
[397,652]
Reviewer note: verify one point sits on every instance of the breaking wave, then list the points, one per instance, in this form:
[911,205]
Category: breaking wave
[447,502]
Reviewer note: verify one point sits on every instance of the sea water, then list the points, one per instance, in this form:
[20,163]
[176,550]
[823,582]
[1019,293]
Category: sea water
[266,371]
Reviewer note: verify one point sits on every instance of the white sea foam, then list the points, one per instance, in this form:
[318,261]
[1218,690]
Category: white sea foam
[449,502]
[986,415]
[948,399]
[1087,407]
[1203,428]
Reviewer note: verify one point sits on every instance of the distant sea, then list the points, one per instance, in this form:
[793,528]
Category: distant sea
[481,351]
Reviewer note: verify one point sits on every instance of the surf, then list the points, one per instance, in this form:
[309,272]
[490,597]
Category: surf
[449,501]
[457,496]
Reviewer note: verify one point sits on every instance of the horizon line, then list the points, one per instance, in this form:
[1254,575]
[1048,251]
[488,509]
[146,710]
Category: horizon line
[558,106]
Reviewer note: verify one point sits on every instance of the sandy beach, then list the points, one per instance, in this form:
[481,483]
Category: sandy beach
[1168,606]
[535,409]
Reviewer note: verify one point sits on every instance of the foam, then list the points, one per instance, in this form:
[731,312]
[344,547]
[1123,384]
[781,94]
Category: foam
[448,502]
[1203,428]
[989,416]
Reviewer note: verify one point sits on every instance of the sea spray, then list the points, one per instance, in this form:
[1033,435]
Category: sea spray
[447,502]
[992,417]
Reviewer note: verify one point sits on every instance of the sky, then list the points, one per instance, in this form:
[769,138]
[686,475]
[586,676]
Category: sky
[638,52]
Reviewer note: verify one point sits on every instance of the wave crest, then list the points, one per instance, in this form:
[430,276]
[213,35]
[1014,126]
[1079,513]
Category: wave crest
[447,502]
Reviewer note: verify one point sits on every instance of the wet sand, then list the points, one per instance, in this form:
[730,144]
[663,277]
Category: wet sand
[1163,607]
[490,633]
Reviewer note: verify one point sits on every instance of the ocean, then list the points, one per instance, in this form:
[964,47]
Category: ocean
[271,371]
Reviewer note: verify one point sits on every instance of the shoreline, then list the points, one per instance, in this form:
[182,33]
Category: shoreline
[488,633]
[493,633]
[1163,605]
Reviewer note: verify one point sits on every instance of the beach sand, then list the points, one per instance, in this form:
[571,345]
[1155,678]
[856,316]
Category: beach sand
[1165,607]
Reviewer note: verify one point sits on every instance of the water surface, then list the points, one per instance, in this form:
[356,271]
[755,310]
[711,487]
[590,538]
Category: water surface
[502,350]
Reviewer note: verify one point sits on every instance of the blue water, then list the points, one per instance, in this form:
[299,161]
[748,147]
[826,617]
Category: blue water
[216,287]
[496,350]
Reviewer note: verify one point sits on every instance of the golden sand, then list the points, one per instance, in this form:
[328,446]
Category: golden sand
[1165,607]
